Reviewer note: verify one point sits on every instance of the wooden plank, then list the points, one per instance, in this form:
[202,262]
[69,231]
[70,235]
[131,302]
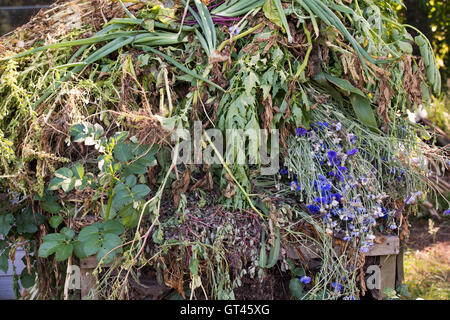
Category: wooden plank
[87,282]
[388,264]
[388,245]
[296,253]
[400,272]
[89,262]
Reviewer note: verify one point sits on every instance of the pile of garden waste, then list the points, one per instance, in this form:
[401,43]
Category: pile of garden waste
[100,100]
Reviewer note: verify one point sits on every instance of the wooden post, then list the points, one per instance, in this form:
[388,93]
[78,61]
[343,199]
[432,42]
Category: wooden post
[88,281]
[387,250]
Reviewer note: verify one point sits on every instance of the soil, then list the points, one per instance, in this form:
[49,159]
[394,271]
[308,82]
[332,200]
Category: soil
[420,238]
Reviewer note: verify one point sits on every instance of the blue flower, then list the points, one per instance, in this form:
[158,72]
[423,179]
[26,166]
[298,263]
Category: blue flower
[325,187]
[323,200]
[364,249]
[352,152]
[284,171]
[234,30]
[355,234]
[305,279]
[337,286]
[332,154]
[322,125]
[313,208]
[447,212]
[301,131]
[352,138]
[338,126]
[337,196]
[295,186]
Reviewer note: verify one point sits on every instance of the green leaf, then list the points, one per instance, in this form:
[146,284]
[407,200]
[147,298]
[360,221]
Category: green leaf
[262,253]
[89,246]
[193,265]
[78,131]
[149,25]
[122,152]
[299,272]
[26,223]
[4,261]
[47,248]
[140,191]
[55,221]
[54,237]
[88,232]
[344,85]
[120,136]
[68,185]
[131,218]
[296,288]
[131,181]
[275,251]
[114,227]
[67,233]
[6,222]
[250,82]
[63,251]
[49,203]
[55,183]
[271,13]
[27,280]
[78,171]
[64,173]
[363,111]
[78,249]
[109,242]
[405,46]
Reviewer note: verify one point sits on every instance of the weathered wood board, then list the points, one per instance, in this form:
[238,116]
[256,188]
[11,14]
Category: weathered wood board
[387,249]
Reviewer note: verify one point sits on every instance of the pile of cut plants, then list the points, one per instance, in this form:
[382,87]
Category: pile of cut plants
[94,95]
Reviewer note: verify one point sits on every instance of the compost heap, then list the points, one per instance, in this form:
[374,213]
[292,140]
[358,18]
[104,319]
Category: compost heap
[91,93]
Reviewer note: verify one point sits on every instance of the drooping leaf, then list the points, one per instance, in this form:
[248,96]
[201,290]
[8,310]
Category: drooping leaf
[274,251]
[26,279]
[6,222]
[363,111]
[296,288]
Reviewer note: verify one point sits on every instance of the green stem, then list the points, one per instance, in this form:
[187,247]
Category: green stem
[225,165]
[305,61]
